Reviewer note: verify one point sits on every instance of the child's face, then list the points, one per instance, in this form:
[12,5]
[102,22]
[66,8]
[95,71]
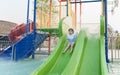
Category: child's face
[70,32]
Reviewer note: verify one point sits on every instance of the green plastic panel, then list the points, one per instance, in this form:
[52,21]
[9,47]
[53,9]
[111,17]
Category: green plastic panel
[104,70]
[45,68]
[60,26]
[52,30]
[89,58]
[90,62]
[57,61]
[73,65]
[102,25]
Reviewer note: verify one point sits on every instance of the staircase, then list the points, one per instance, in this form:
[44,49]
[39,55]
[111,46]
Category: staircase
[23,48]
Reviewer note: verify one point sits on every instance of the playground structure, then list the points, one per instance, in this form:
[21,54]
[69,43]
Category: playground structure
[22,44]
[26,42]
[88,54]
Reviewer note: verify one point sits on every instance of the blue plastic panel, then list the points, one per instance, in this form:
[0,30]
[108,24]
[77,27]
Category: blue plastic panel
[23,48]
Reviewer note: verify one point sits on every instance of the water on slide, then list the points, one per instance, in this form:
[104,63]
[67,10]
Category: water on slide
[61,62]
[90,63]
[57,62]
[85,59]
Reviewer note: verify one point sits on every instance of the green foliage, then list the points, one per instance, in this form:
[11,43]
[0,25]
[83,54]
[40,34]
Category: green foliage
[118,42]
[102,25]
[114,41]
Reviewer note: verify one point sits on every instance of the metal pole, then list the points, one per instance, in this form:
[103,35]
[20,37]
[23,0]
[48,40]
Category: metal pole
[67,8]
[106,32]
[80,14]
[27,25]
[41,15]
[111,49]
[34,16]
[50,17]
[34,31]
[60,11]
[49,43]
[84,2]
[75,14]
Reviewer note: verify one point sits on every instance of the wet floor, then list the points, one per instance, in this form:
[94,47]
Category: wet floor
[114,68]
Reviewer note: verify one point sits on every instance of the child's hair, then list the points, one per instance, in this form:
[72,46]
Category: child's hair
[70,29]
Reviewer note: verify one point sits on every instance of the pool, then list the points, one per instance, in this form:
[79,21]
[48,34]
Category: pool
[25,67]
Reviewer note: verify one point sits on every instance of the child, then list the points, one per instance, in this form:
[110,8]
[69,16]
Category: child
[71,39]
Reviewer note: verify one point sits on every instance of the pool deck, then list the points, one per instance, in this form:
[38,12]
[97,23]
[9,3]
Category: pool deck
[114,68]
[114,65]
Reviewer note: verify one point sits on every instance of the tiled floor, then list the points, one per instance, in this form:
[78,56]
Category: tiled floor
[114,68]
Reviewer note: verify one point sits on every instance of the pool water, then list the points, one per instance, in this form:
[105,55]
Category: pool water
[24,67]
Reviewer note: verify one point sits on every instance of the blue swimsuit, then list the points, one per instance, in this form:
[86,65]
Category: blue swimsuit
[71,38]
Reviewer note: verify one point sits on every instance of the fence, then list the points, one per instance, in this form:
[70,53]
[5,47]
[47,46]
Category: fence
[114,47]
[4,43]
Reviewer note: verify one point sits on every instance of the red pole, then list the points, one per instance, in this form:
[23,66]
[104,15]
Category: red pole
[75,14]
[49,43]
[80,14]
[60,11]
[50,17]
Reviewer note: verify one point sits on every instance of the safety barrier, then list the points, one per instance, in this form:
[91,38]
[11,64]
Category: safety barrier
[4,43]
[18,32]
[114,47]
[23,48]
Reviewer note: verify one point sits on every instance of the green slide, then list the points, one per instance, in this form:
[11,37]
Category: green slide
[90,62]
[57,62]
[50,64]
[88,58]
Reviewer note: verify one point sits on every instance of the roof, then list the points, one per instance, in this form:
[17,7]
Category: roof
[5,27]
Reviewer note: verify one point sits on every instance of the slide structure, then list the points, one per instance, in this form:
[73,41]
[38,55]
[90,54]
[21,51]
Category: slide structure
[24,44]
[24,47]
[88,57]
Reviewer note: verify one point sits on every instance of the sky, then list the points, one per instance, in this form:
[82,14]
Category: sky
[114,19]
[16,10]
